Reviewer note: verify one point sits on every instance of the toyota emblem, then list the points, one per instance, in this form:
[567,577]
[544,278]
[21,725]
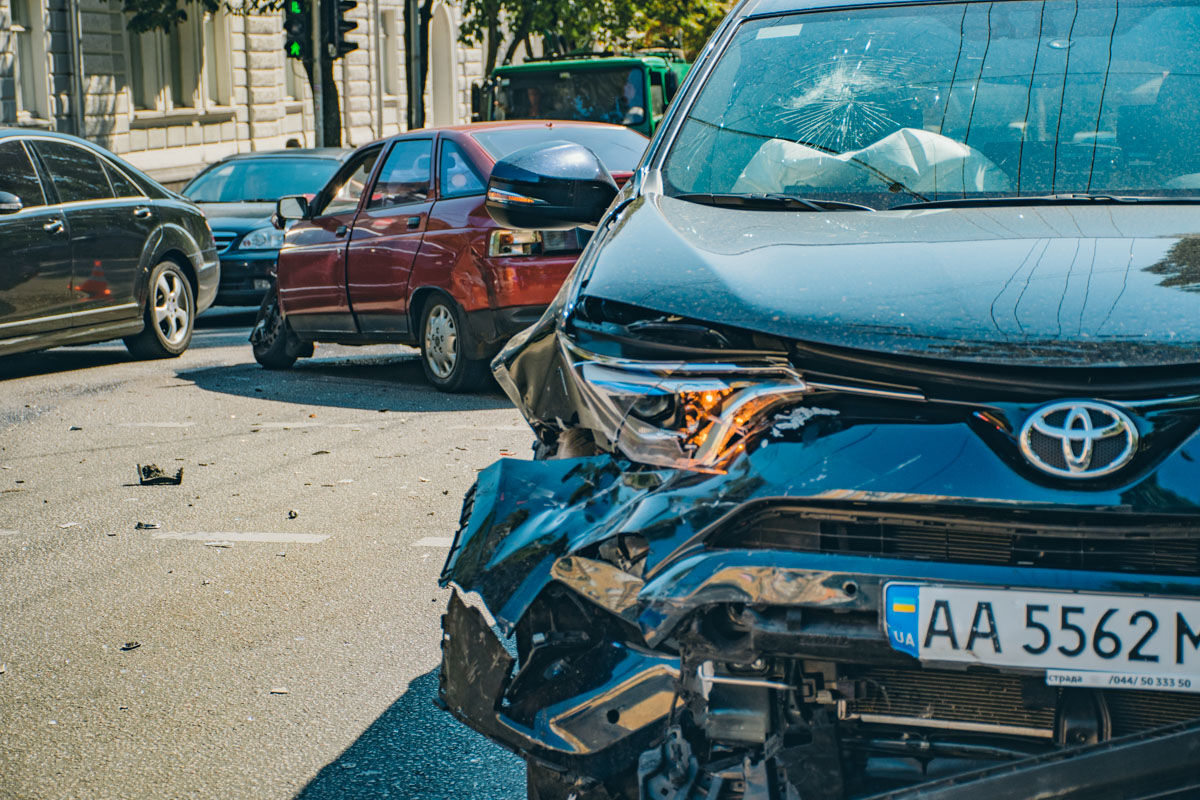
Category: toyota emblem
[1079,439]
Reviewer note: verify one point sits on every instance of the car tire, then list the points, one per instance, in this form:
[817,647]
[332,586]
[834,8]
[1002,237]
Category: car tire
[442,344]
[170,315]
[274,343]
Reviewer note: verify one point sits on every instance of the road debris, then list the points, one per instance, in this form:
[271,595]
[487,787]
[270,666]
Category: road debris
[74,428]
[279,690]
[3,668]
[293,513]
[153,475]
[219,544]
[147,526]
[68,524]
[131,646]
[320,452]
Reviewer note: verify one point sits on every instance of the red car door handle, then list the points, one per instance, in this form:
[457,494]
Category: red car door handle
[341,230]
[414,222]
[142,212]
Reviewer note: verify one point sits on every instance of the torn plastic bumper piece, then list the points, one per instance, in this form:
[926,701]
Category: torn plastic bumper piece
[599,728]
[1160,763]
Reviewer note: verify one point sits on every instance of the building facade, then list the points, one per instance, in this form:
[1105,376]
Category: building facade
[217,84]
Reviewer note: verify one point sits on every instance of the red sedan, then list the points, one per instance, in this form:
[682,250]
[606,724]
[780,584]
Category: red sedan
[398,248]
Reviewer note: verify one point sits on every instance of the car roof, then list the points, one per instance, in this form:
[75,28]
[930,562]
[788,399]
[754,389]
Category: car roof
[754,8]
[330,153]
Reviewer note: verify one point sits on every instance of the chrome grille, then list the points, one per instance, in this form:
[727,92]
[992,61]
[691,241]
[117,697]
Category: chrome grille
[1135,545]
[994,701]
[967,700]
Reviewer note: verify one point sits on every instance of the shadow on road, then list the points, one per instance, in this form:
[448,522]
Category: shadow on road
[413,751]
[63,359]
[221,327]
[394,381]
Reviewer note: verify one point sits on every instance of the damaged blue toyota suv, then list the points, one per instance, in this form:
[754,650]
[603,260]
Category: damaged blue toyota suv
[868,459]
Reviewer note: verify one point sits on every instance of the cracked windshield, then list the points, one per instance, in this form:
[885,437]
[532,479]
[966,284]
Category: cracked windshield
[982,100]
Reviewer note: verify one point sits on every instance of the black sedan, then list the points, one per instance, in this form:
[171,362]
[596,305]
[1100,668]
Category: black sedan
[96,250]
[238,196]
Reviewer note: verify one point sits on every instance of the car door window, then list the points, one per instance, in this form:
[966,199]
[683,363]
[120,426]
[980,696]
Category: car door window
[405,175]
[347,186]
[456,174]
[77,173]
[17,175]
[122,185]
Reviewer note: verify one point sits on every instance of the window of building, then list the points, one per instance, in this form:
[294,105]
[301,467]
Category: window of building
[391,53]
[294,78]
[29,31]
[187,68]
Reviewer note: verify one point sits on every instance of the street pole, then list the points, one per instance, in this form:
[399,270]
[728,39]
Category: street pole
[318,78]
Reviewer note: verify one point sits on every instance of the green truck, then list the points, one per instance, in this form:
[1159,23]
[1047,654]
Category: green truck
[629,89]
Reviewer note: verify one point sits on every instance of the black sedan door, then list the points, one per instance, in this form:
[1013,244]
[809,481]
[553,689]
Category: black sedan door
[35,270]
[108,233]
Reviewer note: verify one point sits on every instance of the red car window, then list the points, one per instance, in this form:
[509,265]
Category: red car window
[405,175]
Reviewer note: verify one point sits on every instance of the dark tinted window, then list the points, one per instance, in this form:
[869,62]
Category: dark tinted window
[619,148]
[405,175]
[348,185]
[17,175]
[268,179]
[456,174]
[122,186]
[76,173]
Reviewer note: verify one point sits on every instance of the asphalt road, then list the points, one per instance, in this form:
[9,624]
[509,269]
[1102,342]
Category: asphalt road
[275,657]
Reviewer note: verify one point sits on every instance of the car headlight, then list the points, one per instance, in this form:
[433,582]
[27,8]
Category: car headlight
[687,415]
[268,238]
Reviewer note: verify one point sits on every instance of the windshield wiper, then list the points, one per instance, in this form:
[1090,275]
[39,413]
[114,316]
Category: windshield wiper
[784,202]
[1066,198]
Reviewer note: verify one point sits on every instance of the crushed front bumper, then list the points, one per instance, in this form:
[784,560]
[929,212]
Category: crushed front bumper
[668,579]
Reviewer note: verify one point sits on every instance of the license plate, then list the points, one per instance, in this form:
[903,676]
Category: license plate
[1078,639]
[262,283]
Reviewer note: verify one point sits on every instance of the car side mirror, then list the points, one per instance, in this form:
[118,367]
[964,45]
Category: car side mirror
[289,209]
[554,186]
[10,203]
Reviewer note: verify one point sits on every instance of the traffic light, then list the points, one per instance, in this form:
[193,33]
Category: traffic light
[297,28]
[337,26]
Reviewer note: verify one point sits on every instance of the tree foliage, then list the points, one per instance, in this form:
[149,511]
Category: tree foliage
[147,15]
[570,26]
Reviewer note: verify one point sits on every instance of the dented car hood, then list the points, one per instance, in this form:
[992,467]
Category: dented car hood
[1050,283]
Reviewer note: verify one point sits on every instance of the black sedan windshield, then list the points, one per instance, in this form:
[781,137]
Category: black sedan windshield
[263,179]
[951,101]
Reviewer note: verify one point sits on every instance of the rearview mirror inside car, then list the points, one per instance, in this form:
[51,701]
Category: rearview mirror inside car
[289,209]
[555,186]
[10,203]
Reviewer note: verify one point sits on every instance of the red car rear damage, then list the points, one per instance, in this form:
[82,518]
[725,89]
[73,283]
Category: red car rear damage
[399,248]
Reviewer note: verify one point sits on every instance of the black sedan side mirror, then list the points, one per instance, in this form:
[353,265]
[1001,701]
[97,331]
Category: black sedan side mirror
[554,186]
[289,209]
[10,203]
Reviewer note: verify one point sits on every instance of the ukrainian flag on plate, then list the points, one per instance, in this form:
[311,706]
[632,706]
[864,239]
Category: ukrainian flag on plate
[900,602]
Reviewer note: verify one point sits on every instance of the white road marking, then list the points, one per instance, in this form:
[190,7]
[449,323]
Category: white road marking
[155,424]
[434,541]
[222,536]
